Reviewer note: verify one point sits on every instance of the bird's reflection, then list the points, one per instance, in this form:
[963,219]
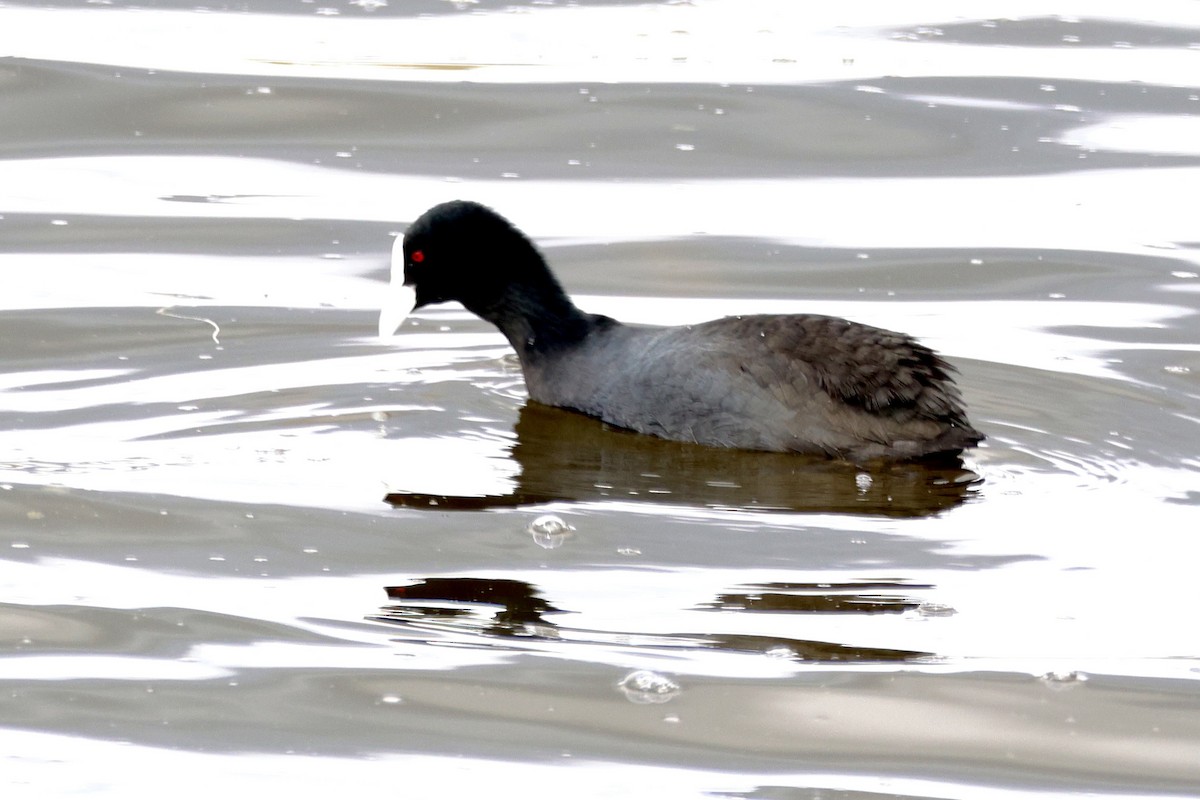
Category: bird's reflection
[565,456]
[516,603]
[508,609]
[822,598]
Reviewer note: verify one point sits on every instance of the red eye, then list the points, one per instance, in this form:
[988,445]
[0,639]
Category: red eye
[418,256]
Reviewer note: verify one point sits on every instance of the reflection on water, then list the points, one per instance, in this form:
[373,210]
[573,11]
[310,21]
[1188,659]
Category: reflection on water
[450,607]
[519,602]
[565,456]
[192,526]
[820,598]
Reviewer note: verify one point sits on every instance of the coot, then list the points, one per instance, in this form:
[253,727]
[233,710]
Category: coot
[802,383]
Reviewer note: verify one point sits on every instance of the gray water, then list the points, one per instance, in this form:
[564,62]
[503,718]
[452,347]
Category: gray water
[248,545]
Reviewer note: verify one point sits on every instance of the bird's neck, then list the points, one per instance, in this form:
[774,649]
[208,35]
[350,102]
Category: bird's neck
[537,317]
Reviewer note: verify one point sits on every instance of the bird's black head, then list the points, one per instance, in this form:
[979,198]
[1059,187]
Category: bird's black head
[464,251]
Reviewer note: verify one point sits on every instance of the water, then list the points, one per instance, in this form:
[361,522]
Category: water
[248,545]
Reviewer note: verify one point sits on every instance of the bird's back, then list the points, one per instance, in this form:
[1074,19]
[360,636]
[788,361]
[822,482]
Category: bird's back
[798,383]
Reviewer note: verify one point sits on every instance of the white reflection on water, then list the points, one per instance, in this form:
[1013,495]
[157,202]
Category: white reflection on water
[95,667]
[37,392]
[1145,133]
[1087,211]
[759,41]
[134,772]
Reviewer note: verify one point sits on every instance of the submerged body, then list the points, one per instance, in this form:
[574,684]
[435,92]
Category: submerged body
[790,383]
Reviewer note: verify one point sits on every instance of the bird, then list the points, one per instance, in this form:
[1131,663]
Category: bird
[796,383]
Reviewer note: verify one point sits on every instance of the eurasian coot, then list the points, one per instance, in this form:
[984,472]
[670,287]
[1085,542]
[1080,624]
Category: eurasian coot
[801,383]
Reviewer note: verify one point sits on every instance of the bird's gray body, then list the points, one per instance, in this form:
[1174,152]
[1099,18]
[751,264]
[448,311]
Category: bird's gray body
[793,383]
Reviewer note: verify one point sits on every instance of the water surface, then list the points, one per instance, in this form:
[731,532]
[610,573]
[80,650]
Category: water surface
[246,540]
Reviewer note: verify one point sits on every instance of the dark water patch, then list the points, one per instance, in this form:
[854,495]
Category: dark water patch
[715,266]
[939,126]
[142,632]
[856,723]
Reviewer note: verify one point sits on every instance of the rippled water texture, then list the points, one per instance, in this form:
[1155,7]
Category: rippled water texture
[249,546]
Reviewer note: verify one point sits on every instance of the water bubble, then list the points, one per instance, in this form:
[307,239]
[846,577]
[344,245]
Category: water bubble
[391,699]
[1060,680]
[685,147]
[645,687]
[549,531]
[928,609]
